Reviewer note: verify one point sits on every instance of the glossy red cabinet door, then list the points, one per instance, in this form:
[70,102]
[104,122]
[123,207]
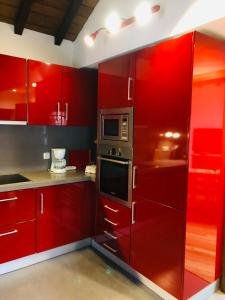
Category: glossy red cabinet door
[161,123]
[79,89]
[157,244]
[63,216]
[17,240]
[13,102]
[44,92]
[17,206]
[116,82]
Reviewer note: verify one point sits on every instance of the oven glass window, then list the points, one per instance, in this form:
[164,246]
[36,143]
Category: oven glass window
[111,127]
[114,179]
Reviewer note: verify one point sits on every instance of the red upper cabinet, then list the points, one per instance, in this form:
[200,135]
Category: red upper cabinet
[78,97]
[44,91]
[13,102]
[61,95]
[116,82]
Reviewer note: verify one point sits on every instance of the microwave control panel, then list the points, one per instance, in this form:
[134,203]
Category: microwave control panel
[124,127]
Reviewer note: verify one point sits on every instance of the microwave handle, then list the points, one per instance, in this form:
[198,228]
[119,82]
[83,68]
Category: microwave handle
[129,97]
[114,161]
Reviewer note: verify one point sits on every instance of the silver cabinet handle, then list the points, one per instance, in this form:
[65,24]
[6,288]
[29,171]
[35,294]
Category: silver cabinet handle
[58,111]
[109,248]
[110,222]
[8,233]
[114,161]
[110,208]
[132,213]
[110,235]
[42,203]
[67,110]
[8,199]
[130,79]
[134,177]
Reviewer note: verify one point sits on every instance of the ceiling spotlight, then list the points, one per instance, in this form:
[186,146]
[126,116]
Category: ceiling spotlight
[143,13]
[89,41]
[113,23]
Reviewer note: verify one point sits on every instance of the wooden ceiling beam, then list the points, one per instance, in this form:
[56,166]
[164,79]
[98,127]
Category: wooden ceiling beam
[22,16]
[67,21]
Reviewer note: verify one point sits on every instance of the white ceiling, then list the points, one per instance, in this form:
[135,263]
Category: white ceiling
[215,28]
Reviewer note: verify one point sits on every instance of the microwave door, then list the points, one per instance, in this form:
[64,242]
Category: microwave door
[111,127]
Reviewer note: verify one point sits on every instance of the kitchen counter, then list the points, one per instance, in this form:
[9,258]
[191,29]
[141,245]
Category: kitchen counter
[45,178]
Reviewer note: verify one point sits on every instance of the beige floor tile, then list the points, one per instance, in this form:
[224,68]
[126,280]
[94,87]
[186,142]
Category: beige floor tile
[79,275]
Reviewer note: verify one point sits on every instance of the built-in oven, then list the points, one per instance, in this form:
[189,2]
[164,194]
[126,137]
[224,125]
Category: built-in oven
[116,126]
[115,173]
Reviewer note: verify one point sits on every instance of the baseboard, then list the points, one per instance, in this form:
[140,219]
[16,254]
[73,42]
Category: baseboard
[204,294]
[39,257]
[207,291]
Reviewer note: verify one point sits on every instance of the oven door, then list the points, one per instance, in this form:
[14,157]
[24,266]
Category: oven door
[115,179]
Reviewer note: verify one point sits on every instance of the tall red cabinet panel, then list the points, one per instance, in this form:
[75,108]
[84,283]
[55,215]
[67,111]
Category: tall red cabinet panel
[161,121]
[78,97]
[44,92]
[179,154]
[116,82]
[205,206]
[13,100]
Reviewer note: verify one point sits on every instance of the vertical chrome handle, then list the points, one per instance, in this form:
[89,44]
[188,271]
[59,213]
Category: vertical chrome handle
[58,111]
[67,110]
[42,203]
[130,79]
[8,233]
[134,177]
[132,213]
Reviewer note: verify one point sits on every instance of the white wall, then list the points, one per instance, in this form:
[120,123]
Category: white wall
[34,45]
[175,17]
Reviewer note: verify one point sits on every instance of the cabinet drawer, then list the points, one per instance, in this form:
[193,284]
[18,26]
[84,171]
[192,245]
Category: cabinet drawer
[114,214]
[17,241]
[17,206]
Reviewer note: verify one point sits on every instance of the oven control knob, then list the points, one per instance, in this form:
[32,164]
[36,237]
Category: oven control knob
[109,152]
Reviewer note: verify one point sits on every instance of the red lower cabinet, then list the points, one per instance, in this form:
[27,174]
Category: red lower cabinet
[113,228]
[157,243]
[63,215]
[17,240]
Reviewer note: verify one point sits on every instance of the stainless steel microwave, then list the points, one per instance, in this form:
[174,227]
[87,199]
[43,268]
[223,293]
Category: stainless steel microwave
[116,126]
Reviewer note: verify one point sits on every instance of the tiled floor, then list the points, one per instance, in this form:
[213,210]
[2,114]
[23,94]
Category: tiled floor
[80,275]
[218,296]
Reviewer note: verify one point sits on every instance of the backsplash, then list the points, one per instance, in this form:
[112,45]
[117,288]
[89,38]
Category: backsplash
[22,147]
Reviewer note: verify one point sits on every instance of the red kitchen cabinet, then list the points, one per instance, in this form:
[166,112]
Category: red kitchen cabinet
[44,91]
[63,215]
[116,82]
[13,102]
[176,240]
[113,227]
[17,240]
[61,95]
[78,97]
[17,206]
[157,244]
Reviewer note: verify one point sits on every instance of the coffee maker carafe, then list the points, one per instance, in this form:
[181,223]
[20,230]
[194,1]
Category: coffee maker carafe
[58,161]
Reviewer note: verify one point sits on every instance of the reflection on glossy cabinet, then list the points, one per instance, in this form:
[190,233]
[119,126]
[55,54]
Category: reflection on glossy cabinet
[63,215]
[44,93]
[13,100]
[116,82]
[78,97]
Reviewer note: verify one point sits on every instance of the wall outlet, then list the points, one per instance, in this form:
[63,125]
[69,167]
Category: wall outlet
[46,155]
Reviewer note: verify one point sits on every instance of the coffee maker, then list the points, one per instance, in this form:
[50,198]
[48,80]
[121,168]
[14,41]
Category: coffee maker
[58,161]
